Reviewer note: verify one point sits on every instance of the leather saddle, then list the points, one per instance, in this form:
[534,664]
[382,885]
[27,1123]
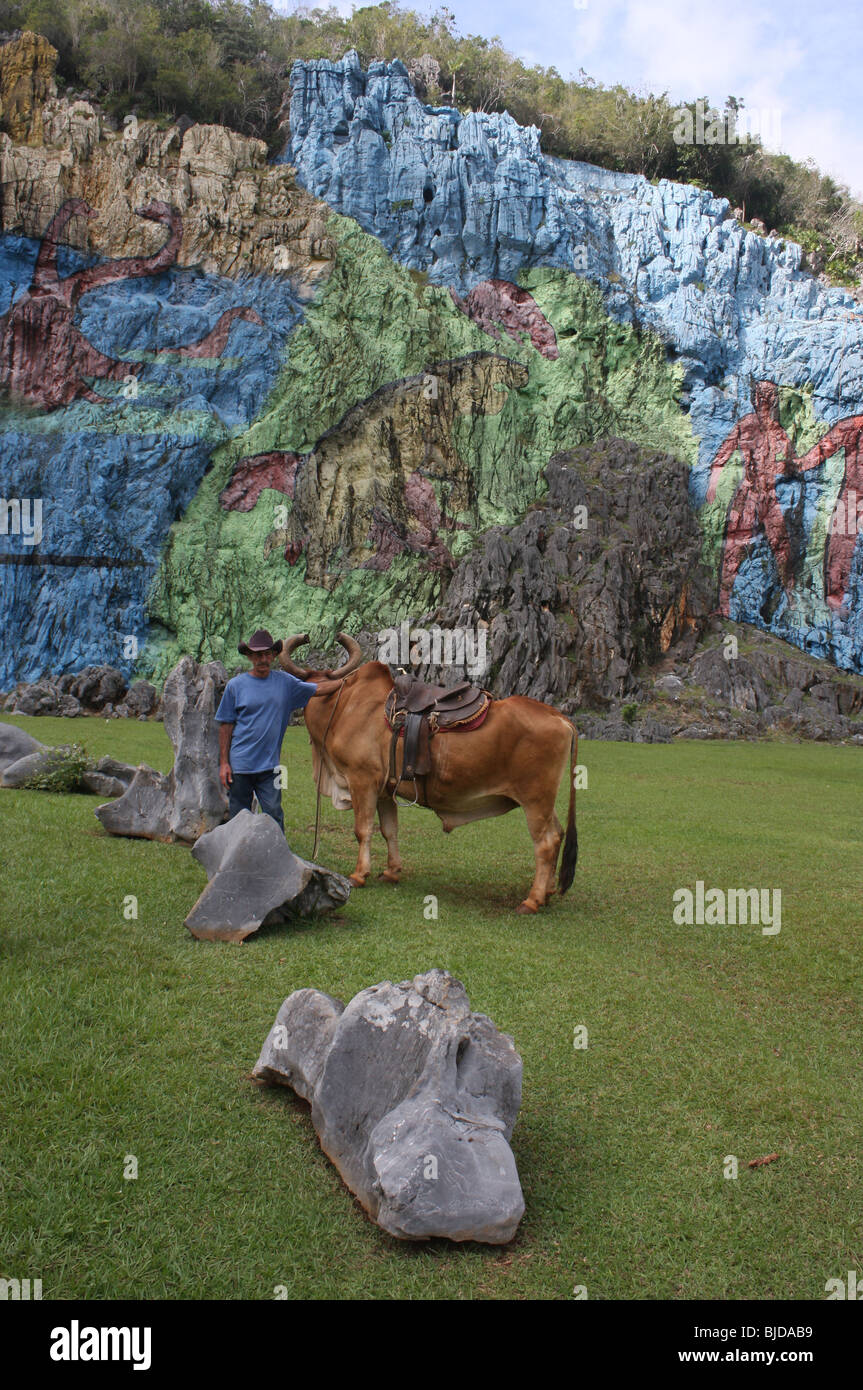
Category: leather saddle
[422,710]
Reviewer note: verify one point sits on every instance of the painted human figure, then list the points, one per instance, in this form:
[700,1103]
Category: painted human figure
[767,451]
[846,434]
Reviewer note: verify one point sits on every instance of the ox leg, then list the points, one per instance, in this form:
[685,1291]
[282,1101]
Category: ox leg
[546,832]
[364,799]
[389,820]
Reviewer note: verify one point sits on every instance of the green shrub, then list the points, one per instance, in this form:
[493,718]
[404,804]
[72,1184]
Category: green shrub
[628,713]
[62,773]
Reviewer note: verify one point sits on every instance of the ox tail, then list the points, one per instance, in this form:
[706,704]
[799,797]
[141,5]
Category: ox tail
[570,844]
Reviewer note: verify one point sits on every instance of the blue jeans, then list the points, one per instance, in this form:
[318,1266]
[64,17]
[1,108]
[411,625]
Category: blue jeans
[263,784]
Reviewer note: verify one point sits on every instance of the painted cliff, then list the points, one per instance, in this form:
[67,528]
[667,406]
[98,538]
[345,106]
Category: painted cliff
[313,392]
[771,361]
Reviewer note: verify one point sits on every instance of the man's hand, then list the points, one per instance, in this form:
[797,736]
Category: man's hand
[226,776]
[325,688]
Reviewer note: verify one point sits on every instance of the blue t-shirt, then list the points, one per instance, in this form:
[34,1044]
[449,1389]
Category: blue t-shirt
[259,708]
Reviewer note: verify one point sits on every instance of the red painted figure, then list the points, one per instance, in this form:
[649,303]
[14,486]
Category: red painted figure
[846,434]
[767,451]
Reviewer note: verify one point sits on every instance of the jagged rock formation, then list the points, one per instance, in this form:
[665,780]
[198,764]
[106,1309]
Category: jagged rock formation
[256,880]
[414,1098]
[95,690]
[245,249]
[27,64]
[252,432]
[472,198]
[739,683]
[241,216]
[601,577]
[190,800]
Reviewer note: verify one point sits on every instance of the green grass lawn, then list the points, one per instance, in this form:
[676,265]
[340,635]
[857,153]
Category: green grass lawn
[130,1038]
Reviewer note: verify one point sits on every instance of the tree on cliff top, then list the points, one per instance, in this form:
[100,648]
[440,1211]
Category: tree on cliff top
[228,61]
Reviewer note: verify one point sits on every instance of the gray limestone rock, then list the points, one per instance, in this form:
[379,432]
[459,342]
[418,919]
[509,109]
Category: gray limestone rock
[141,698]
[98,686]
[20,773]
[190,800]
[737,682]
[109,777]
[601,576]
[414,1099]
[255,878]
[669,685]
[15,744]
[38,698]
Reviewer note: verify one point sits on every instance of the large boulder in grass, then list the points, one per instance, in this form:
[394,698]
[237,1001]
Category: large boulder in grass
[98,686]
[414,1099]
[108,777]
[256,880]
[15,744]
[190,800]
[64,765]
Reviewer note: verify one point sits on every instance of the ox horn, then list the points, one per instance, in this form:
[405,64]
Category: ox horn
[290,645]
[355,656]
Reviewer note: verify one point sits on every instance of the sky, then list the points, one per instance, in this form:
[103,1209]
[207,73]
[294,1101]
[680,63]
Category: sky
[797,64]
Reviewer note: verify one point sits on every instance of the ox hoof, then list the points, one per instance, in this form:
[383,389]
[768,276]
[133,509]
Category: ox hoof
[525,908]
[389,876]
[357,881]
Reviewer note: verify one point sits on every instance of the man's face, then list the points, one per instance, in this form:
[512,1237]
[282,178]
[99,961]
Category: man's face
[261,663]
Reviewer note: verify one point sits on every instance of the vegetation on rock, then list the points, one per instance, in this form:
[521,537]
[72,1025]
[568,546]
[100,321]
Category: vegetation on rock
[227,61]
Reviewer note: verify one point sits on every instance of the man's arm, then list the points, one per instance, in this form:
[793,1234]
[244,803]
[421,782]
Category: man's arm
[226,733]
[325,688]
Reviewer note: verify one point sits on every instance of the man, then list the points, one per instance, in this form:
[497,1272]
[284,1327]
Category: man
[252,718]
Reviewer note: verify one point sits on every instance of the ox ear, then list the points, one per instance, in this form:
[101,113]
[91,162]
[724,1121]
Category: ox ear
[290,645]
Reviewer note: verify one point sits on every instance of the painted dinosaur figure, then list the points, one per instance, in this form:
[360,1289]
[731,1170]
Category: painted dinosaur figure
[45,360]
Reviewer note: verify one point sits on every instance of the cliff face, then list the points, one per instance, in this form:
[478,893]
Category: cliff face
[471,198]
[141,323]
[239,407]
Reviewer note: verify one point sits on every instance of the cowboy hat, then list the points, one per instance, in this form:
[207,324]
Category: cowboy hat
[261,641]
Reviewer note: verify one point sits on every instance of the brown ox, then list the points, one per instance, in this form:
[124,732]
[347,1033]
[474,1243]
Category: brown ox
[515,758]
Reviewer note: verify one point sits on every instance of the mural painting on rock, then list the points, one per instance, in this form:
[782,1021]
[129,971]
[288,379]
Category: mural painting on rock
[217,438]
[470,200]
[770,461]
[44,359]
